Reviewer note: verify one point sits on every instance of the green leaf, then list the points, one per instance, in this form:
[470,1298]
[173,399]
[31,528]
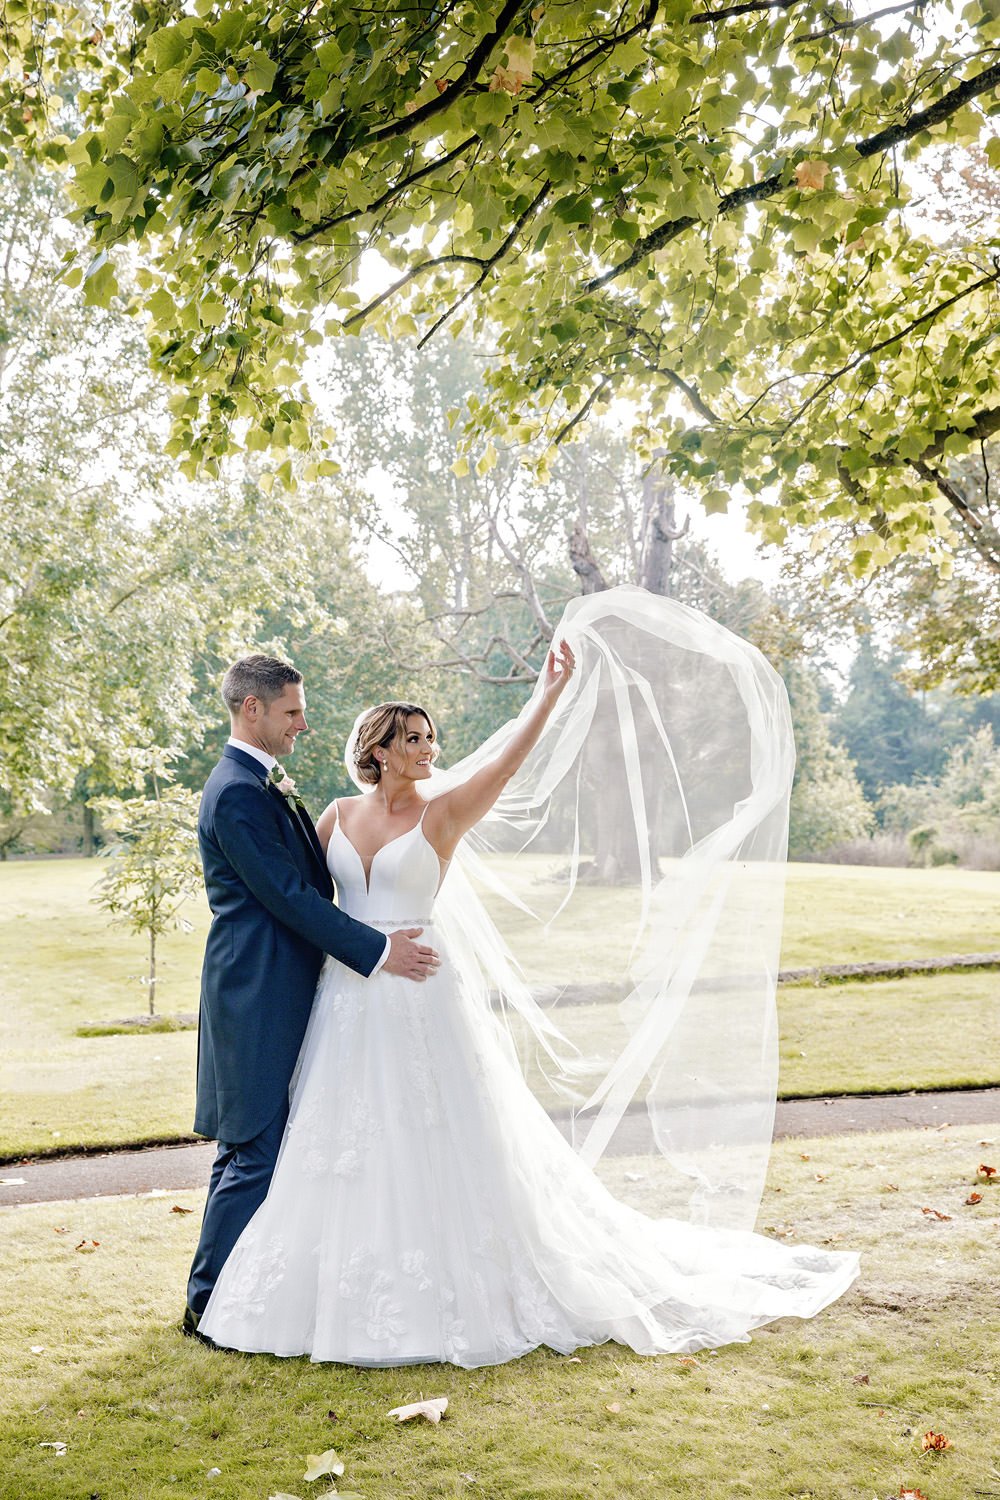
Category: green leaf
[260,73]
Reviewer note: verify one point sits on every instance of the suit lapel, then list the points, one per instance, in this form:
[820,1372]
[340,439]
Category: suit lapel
[304,824]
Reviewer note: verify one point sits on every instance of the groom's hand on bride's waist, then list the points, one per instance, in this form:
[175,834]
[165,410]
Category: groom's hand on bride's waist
[408,959]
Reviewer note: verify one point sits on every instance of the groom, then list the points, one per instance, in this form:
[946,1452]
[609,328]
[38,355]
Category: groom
[273,919]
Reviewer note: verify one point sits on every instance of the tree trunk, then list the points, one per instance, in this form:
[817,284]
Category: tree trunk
[584,562]
[660,532]
[89,839]
[152,970]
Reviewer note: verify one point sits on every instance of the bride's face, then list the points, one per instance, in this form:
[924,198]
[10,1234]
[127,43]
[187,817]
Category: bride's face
[413,757]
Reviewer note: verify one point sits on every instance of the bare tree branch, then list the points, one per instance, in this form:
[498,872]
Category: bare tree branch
[528,590]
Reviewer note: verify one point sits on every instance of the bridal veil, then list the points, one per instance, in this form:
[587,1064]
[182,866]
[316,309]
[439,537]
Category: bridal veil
[620,907]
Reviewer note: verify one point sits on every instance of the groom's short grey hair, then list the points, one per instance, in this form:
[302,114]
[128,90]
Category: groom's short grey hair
[263,677]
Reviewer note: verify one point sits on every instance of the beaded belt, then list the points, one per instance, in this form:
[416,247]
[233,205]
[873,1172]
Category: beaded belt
[396,922]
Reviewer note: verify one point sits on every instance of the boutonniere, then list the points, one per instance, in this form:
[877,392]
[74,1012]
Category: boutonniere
[281,779]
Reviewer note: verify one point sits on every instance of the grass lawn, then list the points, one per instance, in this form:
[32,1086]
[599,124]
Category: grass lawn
[831,1409]
[62,966]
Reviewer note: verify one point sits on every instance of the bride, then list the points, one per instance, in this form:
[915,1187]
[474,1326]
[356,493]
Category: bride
[425,1205]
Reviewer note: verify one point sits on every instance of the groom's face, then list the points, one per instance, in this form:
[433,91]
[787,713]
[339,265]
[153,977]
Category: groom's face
[278,724]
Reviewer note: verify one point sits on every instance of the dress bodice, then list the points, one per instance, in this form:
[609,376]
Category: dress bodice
[402,882]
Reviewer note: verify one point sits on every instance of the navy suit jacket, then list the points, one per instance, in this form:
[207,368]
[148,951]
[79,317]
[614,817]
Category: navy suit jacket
[273,918]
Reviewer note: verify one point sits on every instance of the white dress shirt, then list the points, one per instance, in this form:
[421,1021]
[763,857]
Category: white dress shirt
[269,762]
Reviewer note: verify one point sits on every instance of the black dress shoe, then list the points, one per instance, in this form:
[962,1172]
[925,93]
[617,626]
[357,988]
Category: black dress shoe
[189,1328]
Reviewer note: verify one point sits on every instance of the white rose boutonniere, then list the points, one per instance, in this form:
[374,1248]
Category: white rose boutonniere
[281,779]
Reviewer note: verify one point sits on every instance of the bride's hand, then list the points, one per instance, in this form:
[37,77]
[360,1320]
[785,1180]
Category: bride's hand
[558,669]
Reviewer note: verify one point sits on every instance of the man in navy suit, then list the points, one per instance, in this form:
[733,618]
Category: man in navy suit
[273,919]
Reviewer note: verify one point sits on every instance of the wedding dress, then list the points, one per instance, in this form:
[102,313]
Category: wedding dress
[426,1208]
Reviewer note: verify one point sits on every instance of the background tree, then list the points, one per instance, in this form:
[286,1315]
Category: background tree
[120,585]
[954,816]
[828,805]
[152,865]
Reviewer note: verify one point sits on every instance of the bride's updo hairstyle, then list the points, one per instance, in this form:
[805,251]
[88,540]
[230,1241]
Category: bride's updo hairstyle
[381,727]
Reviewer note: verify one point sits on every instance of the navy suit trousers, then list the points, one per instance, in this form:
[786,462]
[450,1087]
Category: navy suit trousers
[241,1175]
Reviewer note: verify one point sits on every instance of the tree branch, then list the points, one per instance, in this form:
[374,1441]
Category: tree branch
[528,591]
[852,25]
[485,264]
[489,263]
[405,279]
[982,83]
[885,343]
[455,89]
[925,119]
[584,411]
[303,236]
[749,7]
[971,524]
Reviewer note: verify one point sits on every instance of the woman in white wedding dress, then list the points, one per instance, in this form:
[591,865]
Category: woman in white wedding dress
[424,1207]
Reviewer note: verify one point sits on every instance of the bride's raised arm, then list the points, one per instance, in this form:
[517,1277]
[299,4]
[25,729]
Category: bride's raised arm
[453,813]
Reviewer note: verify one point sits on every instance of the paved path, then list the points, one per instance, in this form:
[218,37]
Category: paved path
[172,1168]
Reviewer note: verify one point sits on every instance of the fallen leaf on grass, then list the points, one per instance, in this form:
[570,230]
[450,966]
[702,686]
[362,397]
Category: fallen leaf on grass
[38,1348]
[804,1156]
[178,1210]
[974,1198]
[907,1494]
[320,1464]
[574,1359]
[331,1416]
[862,1379]
[433,1410]
[819,1176]
[935,1442]
[58,1448]
[212,1473]
[88,1246]
[935,1213]
[613,1407]
[60,1229]
[890,1187]
[686,1359]
[470,1477]
[12,1181]
[988,1173]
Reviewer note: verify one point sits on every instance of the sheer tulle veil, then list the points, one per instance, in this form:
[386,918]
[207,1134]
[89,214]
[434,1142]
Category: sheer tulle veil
[620,907]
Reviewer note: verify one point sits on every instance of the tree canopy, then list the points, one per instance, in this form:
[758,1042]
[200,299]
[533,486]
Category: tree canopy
[703,208]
